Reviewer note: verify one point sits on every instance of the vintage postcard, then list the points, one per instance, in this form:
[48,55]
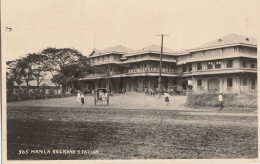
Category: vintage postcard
[129,81]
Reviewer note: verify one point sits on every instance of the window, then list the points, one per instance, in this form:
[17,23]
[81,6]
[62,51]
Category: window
[190,68]
[172,67]
[244,82]
[184,68]
[218,64]
[243,63]
[253,84]
[199,66]
[253,65]
[210,65]
[229,63]
[199,81]
[229,84]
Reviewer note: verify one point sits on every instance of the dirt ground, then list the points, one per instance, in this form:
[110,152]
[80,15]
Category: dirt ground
[132,127]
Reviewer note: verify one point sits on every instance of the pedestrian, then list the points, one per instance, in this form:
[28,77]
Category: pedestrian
[166,98]
[78,96]
[82,98]
[220,99]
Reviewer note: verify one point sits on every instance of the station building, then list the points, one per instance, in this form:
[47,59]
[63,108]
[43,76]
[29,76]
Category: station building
[227,64]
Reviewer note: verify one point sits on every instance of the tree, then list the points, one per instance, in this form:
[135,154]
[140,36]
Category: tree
[68,74]
[14,72]
[9,84]
[67,64]
[38,67]
[26,71]
[59,58]
[58,80]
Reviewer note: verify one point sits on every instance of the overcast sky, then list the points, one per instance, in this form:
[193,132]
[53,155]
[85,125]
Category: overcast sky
[38,24]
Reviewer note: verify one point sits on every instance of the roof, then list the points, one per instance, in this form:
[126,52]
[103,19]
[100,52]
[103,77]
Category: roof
[221,71]
[215,57]
[228,40]
[154,49]
[129,75]
[116,49]
[148,59]
[225,41]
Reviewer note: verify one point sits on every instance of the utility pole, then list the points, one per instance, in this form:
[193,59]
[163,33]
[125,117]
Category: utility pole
[160,69]
[108,70]
[94,41]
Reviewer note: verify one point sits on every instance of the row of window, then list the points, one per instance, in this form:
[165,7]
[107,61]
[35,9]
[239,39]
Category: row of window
[149,69]
[252,64]
[210,64]
[217,64]
[150,56]
[152,65]
[104,58]
[230,83]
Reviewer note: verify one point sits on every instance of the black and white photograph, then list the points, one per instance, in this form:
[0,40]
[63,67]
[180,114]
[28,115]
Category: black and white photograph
[129,81]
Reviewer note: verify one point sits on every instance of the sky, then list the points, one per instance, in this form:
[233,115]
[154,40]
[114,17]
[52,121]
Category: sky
[88,24]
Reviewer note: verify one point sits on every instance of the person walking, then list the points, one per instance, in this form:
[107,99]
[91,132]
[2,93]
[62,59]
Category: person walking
[82,98]
[166,98]
[220,99]
[78,96]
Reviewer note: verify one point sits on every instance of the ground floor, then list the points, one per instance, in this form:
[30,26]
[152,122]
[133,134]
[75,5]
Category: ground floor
[129,84]
[231,83]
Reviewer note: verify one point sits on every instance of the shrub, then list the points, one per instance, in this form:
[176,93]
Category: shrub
[51,91]
[211,100]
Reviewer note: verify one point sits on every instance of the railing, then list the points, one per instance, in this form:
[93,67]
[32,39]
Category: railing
[147,70]
[137,70]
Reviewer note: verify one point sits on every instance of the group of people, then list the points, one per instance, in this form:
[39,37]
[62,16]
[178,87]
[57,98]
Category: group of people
[153,92]
[80,97]
[102,96]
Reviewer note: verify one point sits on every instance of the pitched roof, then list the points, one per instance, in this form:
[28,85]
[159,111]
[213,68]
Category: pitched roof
[154,49]
[116,49]
[228,40]
[215,57]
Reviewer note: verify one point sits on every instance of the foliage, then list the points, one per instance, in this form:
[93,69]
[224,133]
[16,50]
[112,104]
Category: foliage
[211,100]
[9,86]
[65,65]
[37,64]
[51,91]
[14,72]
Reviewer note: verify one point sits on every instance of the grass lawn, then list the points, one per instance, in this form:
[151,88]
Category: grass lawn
[130,133]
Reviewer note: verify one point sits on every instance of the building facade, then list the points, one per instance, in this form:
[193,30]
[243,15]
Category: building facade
[228,64]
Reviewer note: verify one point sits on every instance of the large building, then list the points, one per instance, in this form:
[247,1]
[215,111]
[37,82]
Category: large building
[228,64]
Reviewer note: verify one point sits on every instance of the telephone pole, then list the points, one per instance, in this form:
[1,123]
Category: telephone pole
[160,69]
[108,71]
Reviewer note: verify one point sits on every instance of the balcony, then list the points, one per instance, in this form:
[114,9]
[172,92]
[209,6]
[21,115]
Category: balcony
[105,61]
[147,70]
